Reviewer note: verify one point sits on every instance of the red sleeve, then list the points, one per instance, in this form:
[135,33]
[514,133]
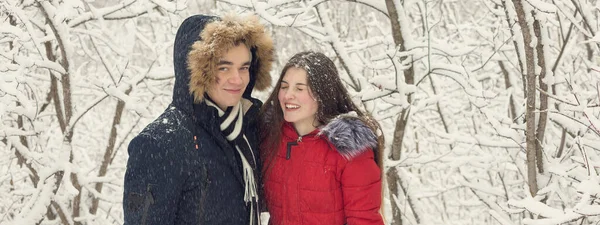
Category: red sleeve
[361,188]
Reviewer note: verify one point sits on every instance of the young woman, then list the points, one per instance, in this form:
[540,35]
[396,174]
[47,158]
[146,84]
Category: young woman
[319,150]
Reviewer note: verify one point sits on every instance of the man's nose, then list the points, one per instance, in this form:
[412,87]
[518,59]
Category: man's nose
[236,78]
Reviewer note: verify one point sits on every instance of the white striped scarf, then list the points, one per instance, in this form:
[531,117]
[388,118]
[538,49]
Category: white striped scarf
[231,126]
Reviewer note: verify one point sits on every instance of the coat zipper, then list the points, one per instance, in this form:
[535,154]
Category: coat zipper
[288,153]
[204,190]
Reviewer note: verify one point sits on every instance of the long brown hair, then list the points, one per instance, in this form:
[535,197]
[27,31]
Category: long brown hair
[332,99]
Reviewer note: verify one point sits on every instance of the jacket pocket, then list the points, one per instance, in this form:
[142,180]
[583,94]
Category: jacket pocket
[320,201]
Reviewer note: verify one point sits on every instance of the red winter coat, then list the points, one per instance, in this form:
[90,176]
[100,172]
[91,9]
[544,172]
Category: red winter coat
[316,181]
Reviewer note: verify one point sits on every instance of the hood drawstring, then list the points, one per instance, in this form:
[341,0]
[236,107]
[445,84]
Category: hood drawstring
[250,194]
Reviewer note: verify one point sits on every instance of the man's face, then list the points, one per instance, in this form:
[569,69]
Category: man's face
[233,75]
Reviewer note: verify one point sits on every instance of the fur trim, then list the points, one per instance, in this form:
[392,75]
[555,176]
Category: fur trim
[350,135]
[216,39]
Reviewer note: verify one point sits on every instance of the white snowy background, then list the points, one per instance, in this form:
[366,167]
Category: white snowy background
[489,108]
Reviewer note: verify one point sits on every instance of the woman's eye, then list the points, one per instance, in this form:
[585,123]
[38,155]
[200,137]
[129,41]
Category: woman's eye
[283,88]
[245,68]
[299,89]
[223,69]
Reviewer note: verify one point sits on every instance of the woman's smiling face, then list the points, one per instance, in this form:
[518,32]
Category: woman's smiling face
[297,102]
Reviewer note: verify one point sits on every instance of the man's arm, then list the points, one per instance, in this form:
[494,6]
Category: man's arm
[152,184]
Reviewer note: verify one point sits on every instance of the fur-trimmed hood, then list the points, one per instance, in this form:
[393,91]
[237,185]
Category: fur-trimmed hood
[200,42]
[220,36]
[350,135]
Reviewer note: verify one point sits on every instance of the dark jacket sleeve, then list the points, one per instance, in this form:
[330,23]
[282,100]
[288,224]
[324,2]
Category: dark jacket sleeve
[153,183]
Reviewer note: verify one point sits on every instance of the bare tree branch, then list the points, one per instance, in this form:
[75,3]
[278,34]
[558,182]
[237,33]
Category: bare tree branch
[531,98]
[541,62]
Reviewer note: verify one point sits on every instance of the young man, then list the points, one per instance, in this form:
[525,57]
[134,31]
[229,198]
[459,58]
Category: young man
[197,163]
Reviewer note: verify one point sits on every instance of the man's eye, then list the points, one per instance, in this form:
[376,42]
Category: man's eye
[245,68]
[223,68]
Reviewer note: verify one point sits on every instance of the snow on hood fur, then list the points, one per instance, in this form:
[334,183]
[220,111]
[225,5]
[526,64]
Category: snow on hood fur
[350,135]
[216,39]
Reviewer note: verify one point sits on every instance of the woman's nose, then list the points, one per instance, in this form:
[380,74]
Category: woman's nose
[288,94]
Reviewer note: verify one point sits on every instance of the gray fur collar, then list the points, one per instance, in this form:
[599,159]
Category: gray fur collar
[349,135]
